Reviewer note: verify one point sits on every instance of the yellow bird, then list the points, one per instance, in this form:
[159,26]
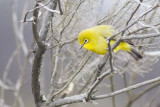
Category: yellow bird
[94,39]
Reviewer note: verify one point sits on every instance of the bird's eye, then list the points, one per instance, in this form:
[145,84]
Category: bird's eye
[86,41]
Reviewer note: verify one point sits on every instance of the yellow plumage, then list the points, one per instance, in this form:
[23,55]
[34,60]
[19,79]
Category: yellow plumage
[94,39]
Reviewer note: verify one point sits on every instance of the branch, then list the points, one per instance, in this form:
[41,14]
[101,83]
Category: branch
[17,31]
[153,53]
[113,47]
[133,99]
[32,18]
[110,55]
[48,9]
[140,36]
[54,72]
[40,40]
[145,13]
[20,80]
[67,100]
[140,3]
[5,87]
[60,9]
[82,66]
[133,13]
[99,79]
[103,20]
[112,90]
[46,21]
[133,37]
[100,66]
[81,1]
[62,43]
[34,28]
[83,98]
[126,89]
[5,74]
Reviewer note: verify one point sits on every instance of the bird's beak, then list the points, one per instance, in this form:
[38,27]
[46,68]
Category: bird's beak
[81,46]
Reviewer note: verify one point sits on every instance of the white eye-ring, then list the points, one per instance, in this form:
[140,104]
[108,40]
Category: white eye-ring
[86,41]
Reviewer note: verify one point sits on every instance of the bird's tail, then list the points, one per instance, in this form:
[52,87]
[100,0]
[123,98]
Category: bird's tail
[135,54]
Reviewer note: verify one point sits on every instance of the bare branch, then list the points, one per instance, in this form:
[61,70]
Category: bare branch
[140,36]
[110,55]
[32,18]
[45,7]
[127,89]
[81,1]
[19,35]
[6,72]
[67,100]
[136,97]
[145,13]
[54,72]
[133,13]
[112,90]
[100,66]
[5,87]
[20,80]
[34,28]
[73,76]
[140,3]
[40,40]
[83,97]
[133,37]
[155,53]
[94,85]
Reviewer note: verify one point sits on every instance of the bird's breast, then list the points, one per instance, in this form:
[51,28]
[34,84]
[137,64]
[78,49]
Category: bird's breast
[97,45]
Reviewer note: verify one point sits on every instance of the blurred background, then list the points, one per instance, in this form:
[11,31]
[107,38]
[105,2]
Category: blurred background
[16,52]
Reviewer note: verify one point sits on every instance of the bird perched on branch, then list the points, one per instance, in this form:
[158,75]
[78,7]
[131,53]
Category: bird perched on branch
[94,39]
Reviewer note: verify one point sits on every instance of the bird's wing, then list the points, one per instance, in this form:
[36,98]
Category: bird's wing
[104,30]
[107,31]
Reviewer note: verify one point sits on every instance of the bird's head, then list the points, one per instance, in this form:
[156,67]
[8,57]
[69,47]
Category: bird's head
[85,38]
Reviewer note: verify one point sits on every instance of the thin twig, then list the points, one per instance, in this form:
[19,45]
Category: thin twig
[88,81]
[112,90]
[133,13]
[54,72]
[63,43]
[6,73]
[110,55]
[100,67]
[36,7]
[18,34]
[103,20]
[145,13]
[145,5]
[71,18]
[140,36]
[20,80]
[133,37]
[73,76]
[70,41]
[50,10]
[6,87]
[94,85]
[125,82]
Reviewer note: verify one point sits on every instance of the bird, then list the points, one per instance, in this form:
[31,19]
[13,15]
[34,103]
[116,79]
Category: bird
[95,40]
